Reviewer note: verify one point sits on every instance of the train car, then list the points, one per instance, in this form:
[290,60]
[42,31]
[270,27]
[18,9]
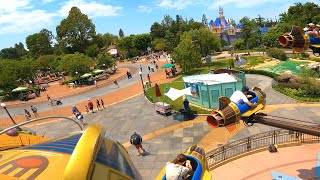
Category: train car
[300,41]
[82,155]
[197,156]
[230,113]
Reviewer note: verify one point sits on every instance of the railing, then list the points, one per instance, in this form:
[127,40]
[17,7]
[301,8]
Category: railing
[249,145]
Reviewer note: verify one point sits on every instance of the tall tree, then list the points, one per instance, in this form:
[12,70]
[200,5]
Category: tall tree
[186,55]
[126,43]
[249,31]
[142,42]
[76,32]
[302,14]
[40,43]
[72,63]
[15,52]
[157,31]
[205,40]
[260,21]
[121,33]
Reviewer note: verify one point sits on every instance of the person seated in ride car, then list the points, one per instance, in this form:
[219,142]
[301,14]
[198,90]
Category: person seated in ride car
[240,97]
[179,168]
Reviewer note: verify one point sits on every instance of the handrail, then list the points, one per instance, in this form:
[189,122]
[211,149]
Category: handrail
[39,119]
[251,144]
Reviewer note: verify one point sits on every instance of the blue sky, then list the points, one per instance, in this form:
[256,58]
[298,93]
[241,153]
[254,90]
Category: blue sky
[20,18]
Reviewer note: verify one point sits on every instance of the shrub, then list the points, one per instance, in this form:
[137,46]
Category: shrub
[304,55]
[277,53]
[261,72]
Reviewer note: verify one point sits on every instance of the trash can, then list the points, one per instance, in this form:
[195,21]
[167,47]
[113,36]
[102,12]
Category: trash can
[208,59]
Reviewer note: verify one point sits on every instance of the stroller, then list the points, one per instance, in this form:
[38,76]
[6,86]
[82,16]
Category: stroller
[57,102]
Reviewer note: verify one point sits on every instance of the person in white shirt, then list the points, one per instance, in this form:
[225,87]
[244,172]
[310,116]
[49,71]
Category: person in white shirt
[240,97]
[176,170]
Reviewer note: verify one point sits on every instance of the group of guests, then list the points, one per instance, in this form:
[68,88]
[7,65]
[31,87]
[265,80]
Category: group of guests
[312,29]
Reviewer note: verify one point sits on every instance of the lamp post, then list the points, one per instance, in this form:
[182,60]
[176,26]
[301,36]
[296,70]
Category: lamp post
[5,108]
[144,91]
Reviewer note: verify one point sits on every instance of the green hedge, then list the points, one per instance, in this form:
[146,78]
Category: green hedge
[277,53]
[261,72]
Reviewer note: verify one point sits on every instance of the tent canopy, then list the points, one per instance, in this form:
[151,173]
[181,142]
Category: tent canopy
[86,75]
[174,94]
[166,66]
[21,89]
[98,71]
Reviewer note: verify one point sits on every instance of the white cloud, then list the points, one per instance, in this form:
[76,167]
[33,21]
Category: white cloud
[13,5]
[241,3]
[18,16]
[176,4]
[144,9]
[22,22]
[92,9]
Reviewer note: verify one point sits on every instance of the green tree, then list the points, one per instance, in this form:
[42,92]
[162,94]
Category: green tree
[40,43]
[92,51]
[8,75]
[187,55]
[121,33]
[105,60]
[205,40]
[239,44]
[126,43]
[249,31]
[15,52]
[46,61]
[270,38]
[157,31]
[72,63]
[110,39]
[141,42]
[76,32]
[301,14]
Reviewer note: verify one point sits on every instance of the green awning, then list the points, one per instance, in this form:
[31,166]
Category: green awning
[166,66]
[21,89]
[98,71]
[86,75]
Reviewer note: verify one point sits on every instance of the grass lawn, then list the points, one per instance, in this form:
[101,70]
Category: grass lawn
[245,51]
[254,60]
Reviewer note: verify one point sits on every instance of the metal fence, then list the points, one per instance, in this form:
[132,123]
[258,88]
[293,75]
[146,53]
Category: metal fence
[256,142]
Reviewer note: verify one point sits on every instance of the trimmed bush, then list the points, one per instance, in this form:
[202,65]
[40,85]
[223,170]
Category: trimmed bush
[277,53]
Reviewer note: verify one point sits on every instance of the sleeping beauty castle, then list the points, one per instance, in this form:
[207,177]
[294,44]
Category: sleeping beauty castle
[224,29]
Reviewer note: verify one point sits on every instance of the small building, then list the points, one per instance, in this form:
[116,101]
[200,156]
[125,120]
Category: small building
[207,88]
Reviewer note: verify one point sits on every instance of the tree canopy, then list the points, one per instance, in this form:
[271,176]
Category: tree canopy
[76,32]
[40,43]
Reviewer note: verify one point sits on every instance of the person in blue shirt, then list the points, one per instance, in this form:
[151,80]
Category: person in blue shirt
[136,140]
[75,110]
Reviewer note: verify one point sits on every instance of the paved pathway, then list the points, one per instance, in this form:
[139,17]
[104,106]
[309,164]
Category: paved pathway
[290,163]
[164,137]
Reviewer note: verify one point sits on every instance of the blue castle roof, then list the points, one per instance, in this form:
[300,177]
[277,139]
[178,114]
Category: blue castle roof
[219,23]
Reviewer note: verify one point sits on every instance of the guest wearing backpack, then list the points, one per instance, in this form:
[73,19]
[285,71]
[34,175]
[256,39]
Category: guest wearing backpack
[35,111]
[136,140]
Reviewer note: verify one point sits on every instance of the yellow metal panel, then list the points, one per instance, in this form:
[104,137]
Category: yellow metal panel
[206,176]
[252,111]
[83,157]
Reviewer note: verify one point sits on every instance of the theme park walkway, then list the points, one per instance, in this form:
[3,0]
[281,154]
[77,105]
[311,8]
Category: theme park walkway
[110,94]
[165,137]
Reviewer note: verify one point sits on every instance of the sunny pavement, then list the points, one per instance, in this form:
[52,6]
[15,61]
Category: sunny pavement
[137,114]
